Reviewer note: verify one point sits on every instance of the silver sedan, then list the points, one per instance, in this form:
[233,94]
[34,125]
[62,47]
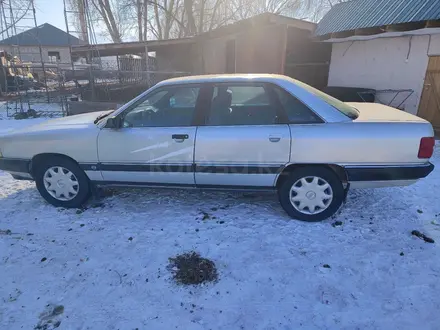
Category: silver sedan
[246,132]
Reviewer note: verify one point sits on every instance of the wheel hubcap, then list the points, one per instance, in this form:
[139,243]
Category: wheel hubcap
[61,183]
[311,195]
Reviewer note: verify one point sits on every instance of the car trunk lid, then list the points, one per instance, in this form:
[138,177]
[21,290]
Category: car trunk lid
[375,112]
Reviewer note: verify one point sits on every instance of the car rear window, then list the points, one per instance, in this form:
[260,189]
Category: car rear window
[342,107]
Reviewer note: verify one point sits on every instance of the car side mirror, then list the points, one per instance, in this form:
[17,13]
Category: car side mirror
[114,122]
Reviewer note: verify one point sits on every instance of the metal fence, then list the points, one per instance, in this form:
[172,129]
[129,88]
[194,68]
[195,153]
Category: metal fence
[28,90]
[120,79]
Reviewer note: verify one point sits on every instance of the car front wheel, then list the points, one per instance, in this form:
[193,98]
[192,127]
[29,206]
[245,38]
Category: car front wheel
[62,182]
[311,193]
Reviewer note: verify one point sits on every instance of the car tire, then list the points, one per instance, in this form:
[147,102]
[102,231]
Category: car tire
[67,177]
[308,188]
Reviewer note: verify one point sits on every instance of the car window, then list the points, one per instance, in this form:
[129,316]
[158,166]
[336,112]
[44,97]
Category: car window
[248,95]
[342,107]
[241,105]
[184,97]
[297,112]
[167,107]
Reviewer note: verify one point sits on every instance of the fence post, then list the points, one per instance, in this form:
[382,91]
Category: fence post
[91,77]
[119,69]
[147,66]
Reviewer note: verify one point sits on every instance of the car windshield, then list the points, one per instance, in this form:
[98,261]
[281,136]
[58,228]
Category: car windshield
[343,107]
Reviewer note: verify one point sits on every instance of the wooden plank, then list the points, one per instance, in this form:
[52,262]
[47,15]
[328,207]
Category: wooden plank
[432,23]
[435,96]
[369,31]
[308,64]
[343,34]
[429,107]
[408,26]
[284,50]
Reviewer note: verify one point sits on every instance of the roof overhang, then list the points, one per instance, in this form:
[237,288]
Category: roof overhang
[421,32]
[125,48]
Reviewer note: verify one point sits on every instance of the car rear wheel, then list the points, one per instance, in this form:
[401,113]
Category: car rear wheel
[311,194]
[62,182]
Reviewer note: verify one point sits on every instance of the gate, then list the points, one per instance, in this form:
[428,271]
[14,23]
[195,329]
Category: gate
[429,107]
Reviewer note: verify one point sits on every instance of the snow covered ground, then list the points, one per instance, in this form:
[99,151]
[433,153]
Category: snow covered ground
[107,265]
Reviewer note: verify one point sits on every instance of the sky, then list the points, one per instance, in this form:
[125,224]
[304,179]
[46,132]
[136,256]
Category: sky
[50,11]
[47,11]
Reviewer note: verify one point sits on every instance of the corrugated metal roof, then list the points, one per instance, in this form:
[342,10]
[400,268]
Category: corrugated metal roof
[358,14]
[44,35]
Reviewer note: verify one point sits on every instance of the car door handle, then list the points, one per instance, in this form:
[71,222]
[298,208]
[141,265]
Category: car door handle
[180,137]
[274,138]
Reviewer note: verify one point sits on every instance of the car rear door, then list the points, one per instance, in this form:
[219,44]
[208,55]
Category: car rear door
[243,142]
[156,143]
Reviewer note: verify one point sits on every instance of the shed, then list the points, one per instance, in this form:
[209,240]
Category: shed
[391,46]
[266,43]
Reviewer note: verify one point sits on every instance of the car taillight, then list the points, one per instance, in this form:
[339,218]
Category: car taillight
[426,148]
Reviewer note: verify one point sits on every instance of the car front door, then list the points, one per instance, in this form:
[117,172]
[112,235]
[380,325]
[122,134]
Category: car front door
[155,144]
[243,142]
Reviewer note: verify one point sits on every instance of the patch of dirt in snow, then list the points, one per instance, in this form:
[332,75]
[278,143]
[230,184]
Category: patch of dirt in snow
[50,318]
[191,269]
[273,270]
[422,236]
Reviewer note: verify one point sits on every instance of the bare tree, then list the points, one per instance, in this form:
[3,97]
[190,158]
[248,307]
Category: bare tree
[248,8]
[155,17]
[164,19]
[115,16]
[139,13]
[314,10]
[77,18]
[191,17]
[168,18]
[108,12]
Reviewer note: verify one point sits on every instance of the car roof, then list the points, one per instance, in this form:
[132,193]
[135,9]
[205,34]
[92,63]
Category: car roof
[224,77]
